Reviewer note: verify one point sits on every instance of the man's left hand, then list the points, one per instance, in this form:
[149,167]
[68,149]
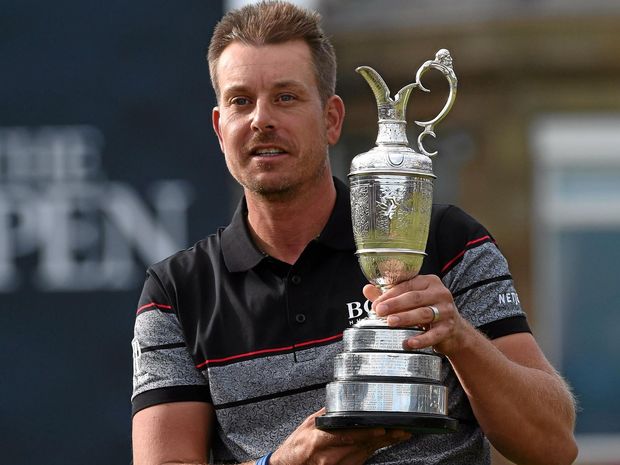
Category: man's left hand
[410,304]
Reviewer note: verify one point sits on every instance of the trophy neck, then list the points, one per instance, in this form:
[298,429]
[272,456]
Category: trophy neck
[392,132]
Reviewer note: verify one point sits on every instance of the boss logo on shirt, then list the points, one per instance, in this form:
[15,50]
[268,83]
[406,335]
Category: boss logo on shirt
[357,311]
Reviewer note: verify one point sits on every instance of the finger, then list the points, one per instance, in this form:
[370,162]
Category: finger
[354,454]
[362,435]
[430,338]
[434,294]
[310,421]
[371,292]
[359,452]
[377,437]
[422,316]
[417,283]
[406,301]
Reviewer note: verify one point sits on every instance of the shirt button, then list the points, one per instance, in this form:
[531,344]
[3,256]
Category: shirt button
[296,279]
[300,318]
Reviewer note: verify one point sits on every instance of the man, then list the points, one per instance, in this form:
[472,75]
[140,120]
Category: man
[235,337]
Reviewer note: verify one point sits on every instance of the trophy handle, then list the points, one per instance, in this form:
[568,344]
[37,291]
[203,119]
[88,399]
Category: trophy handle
[443,63]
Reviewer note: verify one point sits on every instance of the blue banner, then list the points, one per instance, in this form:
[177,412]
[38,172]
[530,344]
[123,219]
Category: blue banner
[107,163]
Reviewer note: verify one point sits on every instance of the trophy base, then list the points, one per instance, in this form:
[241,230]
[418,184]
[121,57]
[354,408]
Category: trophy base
[415,423]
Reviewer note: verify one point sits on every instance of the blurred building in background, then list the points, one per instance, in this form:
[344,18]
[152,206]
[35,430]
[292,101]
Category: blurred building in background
[531,148]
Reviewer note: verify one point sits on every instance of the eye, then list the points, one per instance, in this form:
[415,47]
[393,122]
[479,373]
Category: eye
[287,98]
[240,101]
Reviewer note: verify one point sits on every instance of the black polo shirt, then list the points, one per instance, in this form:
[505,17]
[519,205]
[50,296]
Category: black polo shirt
[224,323]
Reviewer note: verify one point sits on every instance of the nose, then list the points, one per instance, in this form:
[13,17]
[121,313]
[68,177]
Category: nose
[263,118]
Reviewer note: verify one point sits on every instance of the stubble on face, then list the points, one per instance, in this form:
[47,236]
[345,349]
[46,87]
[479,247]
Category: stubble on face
[311,171]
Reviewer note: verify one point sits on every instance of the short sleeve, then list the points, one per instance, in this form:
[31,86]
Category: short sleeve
[478,276]
[163,369]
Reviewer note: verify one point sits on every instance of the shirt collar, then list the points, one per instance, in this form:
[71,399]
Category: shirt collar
[241,254]
[239,251]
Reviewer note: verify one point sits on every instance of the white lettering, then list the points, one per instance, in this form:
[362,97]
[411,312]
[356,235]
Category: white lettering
[49,154]
[355,309]
[509,297]
[137,353]
[80,231]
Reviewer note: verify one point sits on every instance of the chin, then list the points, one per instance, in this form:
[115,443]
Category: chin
[274,185]
[275,189]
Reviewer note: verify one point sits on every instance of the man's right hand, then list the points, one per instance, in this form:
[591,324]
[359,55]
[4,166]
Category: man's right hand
[178,432]
[309,445]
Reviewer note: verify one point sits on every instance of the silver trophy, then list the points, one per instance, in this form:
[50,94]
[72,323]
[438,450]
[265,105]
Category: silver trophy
[378,381]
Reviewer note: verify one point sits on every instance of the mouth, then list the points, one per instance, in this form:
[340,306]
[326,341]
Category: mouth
[268,152]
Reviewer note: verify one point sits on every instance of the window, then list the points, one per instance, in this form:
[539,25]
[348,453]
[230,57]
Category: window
[576,263]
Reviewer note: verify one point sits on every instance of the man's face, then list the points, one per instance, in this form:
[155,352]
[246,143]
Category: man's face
[270,122]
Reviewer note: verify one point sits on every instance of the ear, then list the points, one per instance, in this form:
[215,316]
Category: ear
[215,119]
[334,117]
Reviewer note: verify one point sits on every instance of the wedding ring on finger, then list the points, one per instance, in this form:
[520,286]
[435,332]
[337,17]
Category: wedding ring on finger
[435,313]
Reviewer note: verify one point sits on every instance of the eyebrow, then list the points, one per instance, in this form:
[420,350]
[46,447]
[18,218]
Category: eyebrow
[285,84]
[289,83]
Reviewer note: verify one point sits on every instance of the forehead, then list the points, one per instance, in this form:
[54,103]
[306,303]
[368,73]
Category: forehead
[265,65]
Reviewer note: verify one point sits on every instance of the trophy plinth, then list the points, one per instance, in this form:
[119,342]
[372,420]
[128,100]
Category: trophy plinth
[378,381]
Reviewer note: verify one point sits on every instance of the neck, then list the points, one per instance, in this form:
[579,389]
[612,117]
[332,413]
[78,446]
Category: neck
[282,228]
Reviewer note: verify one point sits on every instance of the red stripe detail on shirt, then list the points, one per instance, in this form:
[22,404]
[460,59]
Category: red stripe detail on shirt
[152,304]
[318,341]
[460,254]
[266,351]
